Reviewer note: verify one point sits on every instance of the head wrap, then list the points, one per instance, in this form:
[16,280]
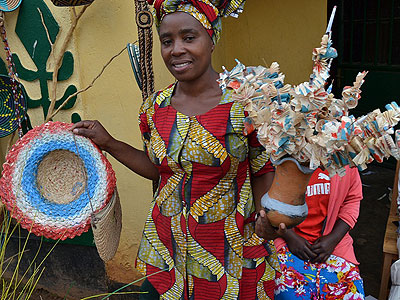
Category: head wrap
[207,12]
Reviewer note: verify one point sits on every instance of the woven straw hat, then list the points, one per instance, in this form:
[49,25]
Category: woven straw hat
[9,5]
[53,181]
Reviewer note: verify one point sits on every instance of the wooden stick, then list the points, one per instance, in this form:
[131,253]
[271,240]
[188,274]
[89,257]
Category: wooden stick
[58,60]
[87,87]
[47,34]
[45,28]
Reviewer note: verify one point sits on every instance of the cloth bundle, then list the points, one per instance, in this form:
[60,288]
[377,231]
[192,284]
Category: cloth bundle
[207,12]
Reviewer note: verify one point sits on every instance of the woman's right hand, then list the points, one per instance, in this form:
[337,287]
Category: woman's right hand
[298,245]
[94,131]
[134,159]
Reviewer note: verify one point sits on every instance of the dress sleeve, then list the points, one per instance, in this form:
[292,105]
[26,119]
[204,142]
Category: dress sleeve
[350,208]
[144,121]
[258,157]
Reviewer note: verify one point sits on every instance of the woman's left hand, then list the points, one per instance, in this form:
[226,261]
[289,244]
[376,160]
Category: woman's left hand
[264,228]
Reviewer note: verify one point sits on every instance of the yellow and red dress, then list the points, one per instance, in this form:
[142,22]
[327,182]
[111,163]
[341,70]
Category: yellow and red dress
[200,229]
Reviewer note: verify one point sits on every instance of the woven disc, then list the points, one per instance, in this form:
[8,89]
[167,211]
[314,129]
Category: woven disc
[61,176]
[52,179]
[8,118]
[9,5]
[144,19]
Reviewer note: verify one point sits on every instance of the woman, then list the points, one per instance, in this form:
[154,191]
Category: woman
[199,239]
[317,257]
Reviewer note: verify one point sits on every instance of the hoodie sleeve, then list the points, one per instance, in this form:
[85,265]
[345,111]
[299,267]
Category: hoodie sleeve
[350,207]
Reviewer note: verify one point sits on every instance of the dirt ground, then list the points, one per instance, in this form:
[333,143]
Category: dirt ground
[368,234]
[41,294]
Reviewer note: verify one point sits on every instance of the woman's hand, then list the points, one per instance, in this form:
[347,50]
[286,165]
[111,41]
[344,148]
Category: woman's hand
[323,247]
[298,245]
[94,131]
[264,228]
[134,159]
[325,244]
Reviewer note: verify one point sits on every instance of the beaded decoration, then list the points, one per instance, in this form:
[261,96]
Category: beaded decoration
[53,181]
[11,110]
[16,86]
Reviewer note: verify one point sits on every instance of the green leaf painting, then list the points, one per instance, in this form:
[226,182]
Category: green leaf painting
[32,33]
[3,68]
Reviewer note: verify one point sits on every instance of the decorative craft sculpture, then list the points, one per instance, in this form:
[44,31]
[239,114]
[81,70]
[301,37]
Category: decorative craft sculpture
[305,127]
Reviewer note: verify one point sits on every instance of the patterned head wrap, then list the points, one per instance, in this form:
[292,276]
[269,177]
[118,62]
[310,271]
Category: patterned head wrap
[207,12]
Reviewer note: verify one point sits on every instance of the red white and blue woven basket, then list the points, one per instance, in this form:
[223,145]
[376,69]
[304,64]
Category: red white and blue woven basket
[23,197]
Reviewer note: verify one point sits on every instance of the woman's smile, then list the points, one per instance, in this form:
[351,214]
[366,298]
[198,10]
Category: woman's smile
[181,67]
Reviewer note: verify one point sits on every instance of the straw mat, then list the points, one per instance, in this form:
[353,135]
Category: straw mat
[106,226]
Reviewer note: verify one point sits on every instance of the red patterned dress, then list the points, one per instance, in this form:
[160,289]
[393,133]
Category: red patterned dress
[200,229]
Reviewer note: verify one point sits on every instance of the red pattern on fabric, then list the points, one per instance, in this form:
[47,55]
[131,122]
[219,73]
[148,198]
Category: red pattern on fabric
[164,124]
[266,169]
[211,238]
[143,126]
[213,119]
[168,173]
[163,225]
[269,287]
[254,251]
[204,8]
[241,178]
[206,178]
[163,281]
[209,290]
[248,284]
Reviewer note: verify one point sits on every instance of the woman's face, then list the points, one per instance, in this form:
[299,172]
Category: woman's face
[186,46]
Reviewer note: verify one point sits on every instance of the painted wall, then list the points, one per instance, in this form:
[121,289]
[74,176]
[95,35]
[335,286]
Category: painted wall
[273,30]
[283,31]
